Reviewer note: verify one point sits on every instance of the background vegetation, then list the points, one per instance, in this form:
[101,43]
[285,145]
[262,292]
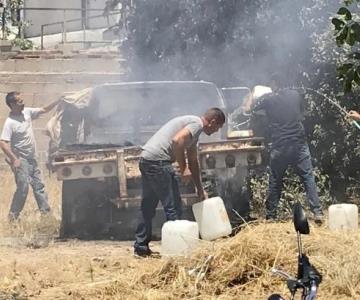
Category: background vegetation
[12,25]
[242,42]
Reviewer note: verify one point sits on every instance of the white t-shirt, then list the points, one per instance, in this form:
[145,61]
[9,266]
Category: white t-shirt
[19,132]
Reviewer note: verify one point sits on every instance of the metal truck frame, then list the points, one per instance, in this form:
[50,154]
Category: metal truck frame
[101,191]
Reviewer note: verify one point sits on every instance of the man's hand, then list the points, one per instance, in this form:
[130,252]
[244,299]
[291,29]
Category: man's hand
[11,158]
[16,163]
[186,176]
[354,115]
[202,194]
[46,109]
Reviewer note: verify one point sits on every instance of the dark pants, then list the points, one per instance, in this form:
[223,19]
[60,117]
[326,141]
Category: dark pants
[28,173]
[298,156]
[158,183]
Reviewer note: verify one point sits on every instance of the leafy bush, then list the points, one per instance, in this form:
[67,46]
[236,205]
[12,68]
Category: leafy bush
[24,44]
[292,192]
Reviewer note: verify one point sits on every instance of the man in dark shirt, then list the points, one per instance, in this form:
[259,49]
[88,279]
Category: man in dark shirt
[284,110]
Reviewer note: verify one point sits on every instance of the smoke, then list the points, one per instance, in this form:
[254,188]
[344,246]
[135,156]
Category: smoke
[231,43]
[228,42]
[132,112]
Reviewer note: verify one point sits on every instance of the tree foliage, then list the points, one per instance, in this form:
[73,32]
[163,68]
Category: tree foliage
[347,35]
[13,24]
[223,41]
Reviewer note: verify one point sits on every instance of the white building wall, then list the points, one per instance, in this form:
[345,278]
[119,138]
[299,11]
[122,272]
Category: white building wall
[38,18]
[99,22]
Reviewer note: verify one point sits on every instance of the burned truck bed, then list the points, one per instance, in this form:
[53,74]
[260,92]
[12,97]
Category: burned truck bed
[101,191]
[94,138]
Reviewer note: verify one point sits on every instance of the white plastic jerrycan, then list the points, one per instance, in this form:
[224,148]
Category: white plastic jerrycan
[343,216]
[212,218]
[179,237]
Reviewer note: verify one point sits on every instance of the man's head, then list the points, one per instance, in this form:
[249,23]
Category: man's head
[14,101]
[213,120]
[276,81]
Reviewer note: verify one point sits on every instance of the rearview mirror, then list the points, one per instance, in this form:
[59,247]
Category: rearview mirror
[300,220]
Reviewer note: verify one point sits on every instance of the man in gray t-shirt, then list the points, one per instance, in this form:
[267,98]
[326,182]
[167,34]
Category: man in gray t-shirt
[174,141]
[160,146]
[18,143]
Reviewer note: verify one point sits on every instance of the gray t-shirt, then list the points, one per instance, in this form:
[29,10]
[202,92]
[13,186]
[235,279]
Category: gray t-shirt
[19,132]
[159,147]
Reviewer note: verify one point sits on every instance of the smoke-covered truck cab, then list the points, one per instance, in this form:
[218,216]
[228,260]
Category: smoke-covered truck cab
[96,137]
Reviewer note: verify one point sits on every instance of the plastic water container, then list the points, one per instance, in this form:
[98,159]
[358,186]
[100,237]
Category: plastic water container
[212,218]
[179,237]
[343,216]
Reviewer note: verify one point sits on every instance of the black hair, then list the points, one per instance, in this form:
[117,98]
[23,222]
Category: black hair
[11,98]
[215,113]
[276,77]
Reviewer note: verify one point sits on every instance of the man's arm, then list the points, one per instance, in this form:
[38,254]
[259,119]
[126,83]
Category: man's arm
[6,148]
[5,145]
[179,142]
[194,167]
[248,103]
[252,104]
[49,107]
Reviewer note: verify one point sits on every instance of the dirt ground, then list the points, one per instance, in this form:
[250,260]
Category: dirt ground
[34,264]
[61,270]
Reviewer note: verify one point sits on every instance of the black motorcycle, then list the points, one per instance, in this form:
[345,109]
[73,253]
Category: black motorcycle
[308,278]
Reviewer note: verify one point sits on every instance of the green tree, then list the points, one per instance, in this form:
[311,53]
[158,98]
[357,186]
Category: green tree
[347,35]
[12,25]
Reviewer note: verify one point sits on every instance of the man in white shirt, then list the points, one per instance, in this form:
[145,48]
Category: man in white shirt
[18,143]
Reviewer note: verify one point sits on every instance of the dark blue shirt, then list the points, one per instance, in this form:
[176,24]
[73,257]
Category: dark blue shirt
[284,110]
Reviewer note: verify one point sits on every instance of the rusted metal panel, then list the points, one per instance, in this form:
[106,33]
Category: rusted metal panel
[122,174]
[89,155]
[126,202]
[70,162]
[131,160]
[247,144]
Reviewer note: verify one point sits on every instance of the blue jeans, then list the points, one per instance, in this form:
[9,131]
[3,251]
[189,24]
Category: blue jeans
[297,155]
[158,183]
[28,173]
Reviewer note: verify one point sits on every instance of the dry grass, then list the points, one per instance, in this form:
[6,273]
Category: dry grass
[31,225]
[240,268]
[60,270]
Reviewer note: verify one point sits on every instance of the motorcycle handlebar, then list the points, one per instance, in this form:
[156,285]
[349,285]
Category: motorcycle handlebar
[282,273]
[313,290]
[308,272]
[310,280]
